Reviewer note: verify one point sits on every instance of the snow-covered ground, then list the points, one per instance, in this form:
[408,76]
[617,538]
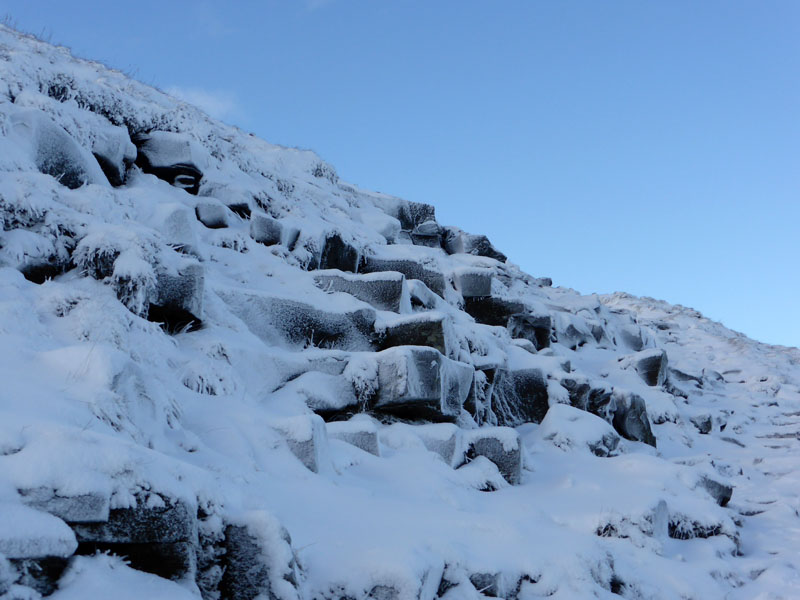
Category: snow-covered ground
[219,410]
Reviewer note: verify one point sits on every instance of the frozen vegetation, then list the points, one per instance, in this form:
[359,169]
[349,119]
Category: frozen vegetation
[228,374]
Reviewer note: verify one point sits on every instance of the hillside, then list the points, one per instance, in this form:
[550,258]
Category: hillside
[228,374]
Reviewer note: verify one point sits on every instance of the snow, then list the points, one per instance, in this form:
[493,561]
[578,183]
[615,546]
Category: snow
[97,400]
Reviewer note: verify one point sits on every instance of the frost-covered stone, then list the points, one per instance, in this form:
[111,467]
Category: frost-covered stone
[177,225]
[54,151]
[721,492]
[419,382]
[339,254]
[474,283]
[361,433]
[491,310]
[630,418]
[651,365]
[307,438]
[427,234]
[410,268]
[424,329]
[173,157]
[178,298]
[152,520]
[456,241]
[115,152]
[35,577]
[82,508]
[631,336]
[384,291]
[211,214]
[281,321]
[534,328]
[571,428]
[501,445]
[258,563]
[444,439]
[702,422]
[266,230]
[519,396]
[411,214]
[28,533]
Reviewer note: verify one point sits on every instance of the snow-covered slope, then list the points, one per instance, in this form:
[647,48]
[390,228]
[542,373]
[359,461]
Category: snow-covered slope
[248,377]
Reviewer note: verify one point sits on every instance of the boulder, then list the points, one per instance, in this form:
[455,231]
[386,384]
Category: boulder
[307,438]
[444,439]
[534,328]
[455,241]
[338,254]
[519,396]
[651,365]
[177,225]
[278,320]
[570,428]
[173,157]
[82,508]
[266,230]
[408,267]
[26,533]
[427,234]
[412,214]
[492,311]
[702,422]
[421,329]
[418,382]
[719,491]
[501,445]
[212,214]
[361,433]
[258,561]
[474,283]
[630,418]
[115,152]
[177,302]
[631,336]
[54,151]
[384,291]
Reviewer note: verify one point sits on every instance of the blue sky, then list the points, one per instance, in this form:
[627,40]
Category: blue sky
[651,147]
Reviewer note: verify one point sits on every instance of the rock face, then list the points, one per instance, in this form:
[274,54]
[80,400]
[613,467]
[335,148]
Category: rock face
[651,366]
[410,268]
[425,329]
[384,290]
[631,420]
[519,396]
[536,329]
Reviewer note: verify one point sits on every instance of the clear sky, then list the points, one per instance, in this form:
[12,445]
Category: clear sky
[645,146]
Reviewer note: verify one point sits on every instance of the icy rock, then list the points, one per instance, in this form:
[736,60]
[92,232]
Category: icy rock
[419,382]
[456,241]
[338,254]
[266,230]
[178,299]
[599,400]
[162,522]
[54,151]
[719,491]
[115,152]
[427,234]
[178,226]
[491,310]
[631,336]
[442,438]
[425,329]
[410,268]
[329,395]
[519,396]
[307,438]
[630,418]
[275,319]
[384,291]
[567,428]
[83,508]
[702,422]
[501,445]
[474,283]
[173,157]
[535,328]
[259,563]
[361,433]
[412,214]
[211,214]
[27,533]
[578,390]
[651,365]
[479,399]
[237,200]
